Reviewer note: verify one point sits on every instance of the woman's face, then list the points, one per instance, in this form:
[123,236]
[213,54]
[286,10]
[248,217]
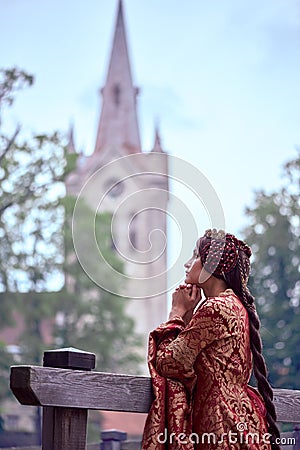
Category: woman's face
[193,267]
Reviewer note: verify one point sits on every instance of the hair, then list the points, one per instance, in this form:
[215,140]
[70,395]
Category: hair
[236,276]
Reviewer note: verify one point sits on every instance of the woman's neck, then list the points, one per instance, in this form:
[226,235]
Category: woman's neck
[213,287]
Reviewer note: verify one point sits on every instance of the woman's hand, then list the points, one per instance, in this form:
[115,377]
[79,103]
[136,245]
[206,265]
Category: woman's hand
[184,300]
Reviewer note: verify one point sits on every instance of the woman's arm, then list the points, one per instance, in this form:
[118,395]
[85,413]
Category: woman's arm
[176,357]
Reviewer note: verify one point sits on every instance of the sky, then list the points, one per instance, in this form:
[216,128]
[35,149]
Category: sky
[221,78]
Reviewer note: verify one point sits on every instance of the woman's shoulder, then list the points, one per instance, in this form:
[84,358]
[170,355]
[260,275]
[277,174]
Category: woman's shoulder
[226,301]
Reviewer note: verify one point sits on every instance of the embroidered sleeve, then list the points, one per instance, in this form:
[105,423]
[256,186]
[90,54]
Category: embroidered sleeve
[176,357]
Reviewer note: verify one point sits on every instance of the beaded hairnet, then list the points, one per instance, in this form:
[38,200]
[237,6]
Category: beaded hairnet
[219,251]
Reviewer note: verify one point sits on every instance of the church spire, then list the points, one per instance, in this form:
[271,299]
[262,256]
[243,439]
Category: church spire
[118,125]
[157,141]
[71,142]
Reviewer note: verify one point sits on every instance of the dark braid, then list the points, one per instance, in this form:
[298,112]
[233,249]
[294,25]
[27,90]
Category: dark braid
[237,279]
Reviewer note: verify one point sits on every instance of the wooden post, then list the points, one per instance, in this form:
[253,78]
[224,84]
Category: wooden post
[65,428]
[112,439]
[296,435]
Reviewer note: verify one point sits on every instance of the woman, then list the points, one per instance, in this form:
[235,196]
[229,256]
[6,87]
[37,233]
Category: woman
[201,361]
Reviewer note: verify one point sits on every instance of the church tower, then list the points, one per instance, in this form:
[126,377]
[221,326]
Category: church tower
[136,187]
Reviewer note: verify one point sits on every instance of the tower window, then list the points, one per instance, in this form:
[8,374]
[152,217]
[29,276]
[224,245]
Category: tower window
[116,94]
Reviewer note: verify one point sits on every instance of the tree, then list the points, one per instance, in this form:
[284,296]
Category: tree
[31,183]
[11,80]
[274,233]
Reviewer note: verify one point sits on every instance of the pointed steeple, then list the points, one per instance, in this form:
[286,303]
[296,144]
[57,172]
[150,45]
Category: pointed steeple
[118,125]
[71,143]
[157,141]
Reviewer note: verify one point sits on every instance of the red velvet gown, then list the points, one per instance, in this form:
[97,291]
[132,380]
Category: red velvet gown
[200,377]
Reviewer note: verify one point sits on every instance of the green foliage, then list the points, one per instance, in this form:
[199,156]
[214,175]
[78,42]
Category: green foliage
[31,252]
[31,217]
[31,182]
[11,81]
[274,235]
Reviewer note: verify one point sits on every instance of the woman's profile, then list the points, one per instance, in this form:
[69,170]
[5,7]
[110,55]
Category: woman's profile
[202,358]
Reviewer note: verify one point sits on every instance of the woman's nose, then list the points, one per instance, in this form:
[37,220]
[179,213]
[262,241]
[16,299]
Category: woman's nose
[187,265]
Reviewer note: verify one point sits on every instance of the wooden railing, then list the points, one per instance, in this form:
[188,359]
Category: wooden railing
[68,389]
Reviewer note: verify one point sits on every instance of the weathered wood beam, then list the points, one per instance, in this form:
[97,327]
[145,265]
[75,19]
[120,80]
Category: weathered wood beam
[287,404]
[34,385]
[47,386]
